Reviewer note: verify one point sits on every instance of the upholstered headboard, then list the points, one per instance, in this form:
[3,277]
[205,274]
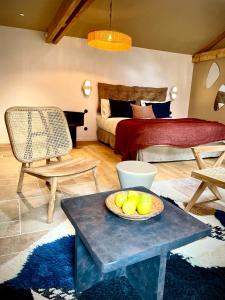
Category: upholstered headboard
[126,93]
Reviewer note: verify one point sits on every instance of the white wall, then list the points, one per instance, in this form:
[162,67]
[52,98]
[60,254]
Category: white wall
[33,72]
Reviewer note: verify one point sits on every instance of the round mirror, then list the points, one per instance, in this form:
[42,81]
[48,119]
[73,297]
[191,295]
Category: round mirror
[220,98]
[213,75]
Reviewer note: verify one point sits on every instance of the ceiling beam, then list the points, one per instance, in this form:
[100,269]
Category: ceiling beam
[64,12]
[210,45]
[66,16]
[209,55]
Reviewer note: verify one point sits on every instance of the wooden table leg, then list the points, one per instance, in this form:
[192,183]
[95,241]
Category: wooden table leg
[196,195]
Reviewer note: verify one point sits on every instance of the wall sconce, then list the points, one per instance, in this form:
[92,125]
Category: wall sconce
[87,88]
[173,93]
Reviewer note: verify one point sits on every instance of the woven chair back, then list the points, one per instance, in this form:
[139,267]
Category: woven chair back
[37,133]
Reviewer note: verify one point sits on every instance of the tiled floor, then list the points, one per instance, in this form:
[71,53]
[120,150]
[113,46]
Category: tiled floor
[23,217]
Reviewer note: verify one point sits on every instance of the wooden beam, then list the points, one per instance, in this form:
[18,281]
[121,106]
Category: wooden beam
[209,46]
[204,56]
[80,8]
[65,18]
[64,12]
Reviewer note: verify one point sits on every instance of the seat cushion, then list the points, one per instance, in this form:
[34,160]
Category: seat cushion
[215,176]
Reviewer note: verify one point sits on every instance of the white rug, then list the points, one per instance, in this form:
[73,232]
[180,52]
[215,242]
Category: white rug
[207,252]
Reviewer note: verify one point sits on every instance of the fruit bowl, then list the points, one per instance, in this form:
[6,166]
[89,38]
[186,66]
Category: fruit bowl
[157,207]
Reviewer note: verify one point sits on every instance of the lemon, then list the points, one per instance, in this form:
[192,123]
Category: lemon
[146,197]
[132,193]
[144,207]
[120,198]
[134,199]
[129,208]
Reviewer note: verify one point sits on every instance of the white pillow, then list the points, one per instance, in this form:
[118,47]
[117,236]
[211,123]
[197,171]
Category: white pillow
[152,102]
[105,108]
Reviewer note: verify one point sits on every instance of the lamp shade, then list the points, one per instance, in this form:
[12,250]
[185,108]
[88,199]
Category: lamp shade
[109,40]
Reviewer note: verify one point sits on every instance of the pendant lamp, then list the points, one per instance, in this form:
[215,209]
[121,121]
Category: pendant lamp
[109,39]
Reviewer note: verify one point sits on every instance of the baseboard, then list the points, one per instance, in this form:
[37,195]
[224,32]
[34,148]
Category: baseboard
[87,140]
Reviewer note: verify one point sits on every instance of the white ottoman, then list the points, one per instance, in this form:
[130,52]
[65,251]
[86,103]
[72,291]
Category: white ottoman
[133,173]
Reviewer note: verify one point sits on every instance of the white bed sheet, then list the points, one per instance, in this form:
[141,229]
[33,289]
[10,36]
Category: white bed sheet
[108,124]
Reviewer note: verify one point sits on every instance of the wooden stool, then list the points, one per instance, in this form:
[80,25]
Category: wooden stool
[135,173]
[212,177]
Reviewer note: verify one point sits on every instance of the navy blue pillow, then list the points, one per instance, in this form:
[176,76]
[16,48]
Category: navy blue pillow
[161,110]
[120,108]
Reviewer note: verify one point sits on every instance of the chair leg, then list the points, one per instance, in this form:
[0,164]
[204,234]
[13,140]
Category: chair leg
[53,184]
[215,191]
[196,195]
[95,179]
[20,183]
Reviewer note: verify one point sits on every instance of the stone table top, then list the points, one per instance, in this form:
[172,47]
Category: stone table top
[114,242]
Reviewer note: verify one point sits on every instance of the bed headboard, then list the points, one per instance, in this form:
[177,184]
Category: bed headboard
[126,93]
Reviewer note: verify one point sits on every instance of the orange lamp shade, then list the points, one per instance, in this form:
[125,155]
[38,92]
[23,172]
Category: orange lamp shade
[109,40]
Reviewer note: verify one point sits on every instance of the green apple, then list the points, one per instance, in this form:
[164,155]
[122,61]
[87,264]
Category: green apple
[129,208]
[144,207]
[120,198]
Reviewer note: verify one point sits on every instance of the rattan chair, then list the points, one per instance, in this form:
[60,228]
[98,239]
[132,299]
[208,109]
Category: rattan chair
[42,133]
[211,177]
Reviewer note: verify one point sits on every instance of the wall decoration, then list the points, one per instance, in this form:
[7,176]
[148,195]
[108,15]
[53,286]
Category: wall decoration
[220,98]
[213,75]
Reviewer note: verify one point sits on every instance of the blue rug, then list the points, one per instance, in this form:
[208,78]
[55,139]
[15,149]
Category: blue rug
[50,268]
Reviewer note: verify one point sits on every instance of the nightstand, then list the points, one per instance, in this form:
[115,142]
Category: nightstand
[74,120]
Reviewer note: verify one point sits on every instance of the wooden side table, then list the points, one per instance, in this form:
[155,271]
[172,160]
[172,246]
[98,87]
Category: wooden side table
[74,119]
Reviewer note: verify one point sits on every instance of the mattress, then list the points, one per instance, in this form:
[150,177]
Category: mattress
[108,124]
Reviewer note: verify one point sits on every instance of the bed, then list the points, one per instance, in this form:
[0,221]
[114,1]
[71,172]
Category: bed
[106,127]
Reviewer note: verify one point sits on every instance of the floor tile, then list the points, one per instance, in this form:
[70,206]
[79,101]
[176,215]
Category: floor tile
[9,228]
[34,219]
[76,186]
[30,189]
[5,258]
[9,191]
[9,210]
[19,243]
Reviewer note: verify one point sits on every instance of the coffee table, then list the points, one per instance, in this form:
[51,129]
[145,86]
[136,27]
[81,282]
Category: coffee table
[107,246]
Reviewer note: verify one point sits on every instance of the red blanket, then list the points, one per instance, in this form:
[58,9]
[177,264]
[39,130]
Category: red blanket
[134,134]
